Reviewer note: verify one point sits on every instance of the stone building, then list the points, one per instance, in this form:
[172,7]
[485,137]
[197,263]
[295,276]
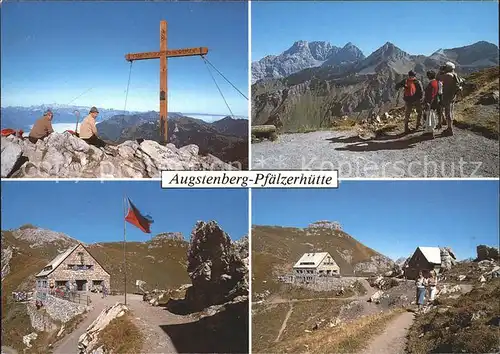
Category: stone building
[315,265]
[74,269]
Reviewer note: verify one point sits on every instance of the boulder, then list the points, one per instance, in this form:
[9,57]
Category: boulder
[486,253]
[67,156]
[87,343]
[488,98]
[11,154]
[28,338]
[375,298]
[216,268]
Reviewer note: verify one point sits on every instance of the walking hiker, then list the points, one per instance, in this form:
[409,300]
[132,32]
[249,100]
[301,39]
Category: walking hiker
[42,127]
[413,94]
[421,283]
[432,101]
[452,85]
[432,283]
[88,129]
[104,290]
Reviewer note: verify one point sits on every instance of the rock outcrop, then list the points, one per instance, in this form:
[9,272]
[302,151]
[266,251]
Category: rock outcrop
[6,257]
[376,264]
[87,343]
[447,258]
[325,224]
[485,252]
[66,156]
[216,268]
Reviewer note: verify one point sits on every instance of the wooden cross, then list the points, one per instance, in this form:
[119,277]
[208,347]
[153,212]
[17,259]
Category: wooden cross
[163,54]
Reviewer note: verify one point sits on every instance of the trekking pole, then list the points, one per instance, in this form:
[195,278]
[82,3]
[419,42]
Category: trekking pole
[77,114]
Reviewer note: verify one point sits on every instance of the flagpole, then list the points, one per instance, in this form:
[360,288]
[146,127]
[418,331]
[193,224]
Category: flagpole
[124,243]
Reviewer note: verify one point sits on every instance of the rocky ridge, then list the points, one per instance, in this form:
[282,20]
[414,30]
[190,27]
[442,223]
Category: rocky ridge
[317,96]
[302,55]
[66,156]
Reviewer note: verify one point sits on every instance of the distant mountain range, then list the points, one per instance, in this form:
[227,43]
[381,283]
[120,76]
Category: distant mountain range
[226,138]
[312,83]
[24,117]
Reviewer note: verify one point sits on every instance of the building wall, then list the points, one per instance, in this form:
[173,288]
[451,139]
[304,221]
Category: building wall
[79,267]
[328,267]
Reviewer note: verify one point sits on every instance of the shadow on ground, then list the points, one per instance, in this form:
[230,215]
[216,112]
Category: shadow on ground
[224,332]
[402,144]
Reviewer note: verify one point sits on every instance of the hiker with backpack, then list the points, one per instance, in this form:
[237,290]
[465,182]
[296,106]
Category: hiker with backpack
[432,102]
[413,94]
[452,85]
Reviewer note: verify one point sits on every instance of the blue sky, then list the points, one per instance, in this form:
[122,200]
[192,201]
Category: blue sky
[54,51]
[368,25]
[93,211]
[392,217]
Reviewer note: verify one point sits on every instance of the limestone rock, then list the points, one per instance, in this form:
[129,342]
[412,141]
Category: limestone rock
[88,341]
[11,154]
[216,268]
[28,338]
[486,253]
[66,156]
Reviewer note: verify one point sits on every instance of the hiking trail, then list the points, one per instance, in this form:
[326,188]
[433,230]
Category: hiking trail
[393,339]
[465,154]
[283,325]
[148,319]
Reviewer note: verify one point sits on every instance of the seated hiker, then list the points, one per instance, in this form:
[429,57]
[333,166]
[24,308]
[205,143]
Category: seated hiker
[452,85]
[88,129]
[432,102]
[42,127]
[413,95]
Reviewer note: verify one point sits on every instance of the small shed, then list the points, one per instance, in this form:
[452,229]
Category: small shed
[424,259]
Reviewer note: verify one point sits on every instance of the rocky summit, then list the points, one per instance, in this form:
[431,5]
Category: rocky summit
[66,156]
[216,266]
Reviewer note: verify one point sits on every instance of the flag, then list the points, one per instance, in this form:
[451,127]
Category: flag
[135,217]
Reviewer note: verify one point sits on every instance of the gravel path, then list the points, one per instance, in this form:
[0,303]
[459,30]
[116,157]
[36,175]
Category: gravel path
[393,339]
[464,155]
[149,320]
[69,344]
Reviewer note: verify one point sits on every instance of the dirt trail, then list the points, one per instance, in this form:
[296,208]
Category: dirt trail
[465,154]
[149,320]
[69,344]
[283,325]
[393,339]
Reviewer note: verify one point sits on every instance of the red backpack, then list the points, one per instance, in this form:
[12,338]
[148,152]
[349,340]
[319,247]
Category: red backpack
[410,87]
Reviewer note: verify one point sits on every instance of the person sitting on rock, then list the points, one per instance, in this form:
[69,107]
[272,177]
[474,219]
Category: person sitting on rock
[42,127]
[413,94]
[88,129]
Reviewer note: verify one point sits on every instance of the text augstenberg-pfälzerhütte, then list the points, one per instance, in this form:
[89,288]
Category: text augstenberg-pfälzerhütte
[263,179]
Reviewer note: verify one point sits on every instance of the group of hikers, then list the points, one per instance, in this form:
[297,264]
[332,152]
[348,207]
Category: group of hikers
[436,101]
[88,130]
[426,285]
